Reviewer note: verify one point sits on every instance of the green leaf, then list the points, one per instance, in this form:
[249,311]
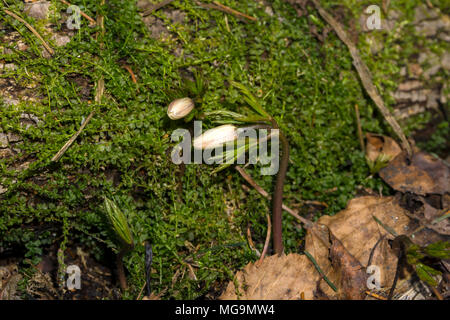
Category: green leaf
[119,221]
[439,219]
[440,250]
[314,262]
[251,99]
[222,167]
[414,255]
[426,273]
[381,161]
[387,228]
[225,115]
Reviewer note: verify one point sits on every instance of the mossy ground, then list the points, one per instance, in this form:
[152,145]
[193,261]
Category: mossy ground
[308,85]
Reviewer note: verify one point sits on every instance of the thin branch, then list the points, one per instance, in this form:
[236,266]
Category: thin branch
[98,97]
[92,21]
[250,242]
[436,293]
[155,7]
[232,11]
[130,71]
[277,198]
[365,76]
[360,132]
[141,291]
[218,6]
[264,193]
[15,16]
[67,145]
[372,252]
[266,244]
[374,295]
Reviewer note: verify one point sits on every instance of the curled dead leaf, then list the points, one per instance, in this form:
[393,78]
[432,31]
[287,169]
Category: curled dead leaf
[378,144]
[352,275]
[339,266]
[277,278]
[424,175]
[359,232]
[341,245]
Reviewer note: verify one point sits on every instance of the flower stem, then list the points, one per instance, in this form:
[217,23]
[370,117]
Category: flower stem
[120,268]
[278,194]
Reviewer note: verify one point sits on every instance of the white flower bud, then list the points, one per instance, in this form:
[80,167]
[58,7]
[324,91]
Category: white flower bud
[180,108]
[216,137]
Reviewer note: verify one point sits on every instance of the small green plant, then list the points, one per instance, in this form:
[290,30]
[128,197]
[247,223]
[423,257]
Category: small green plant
[416,255]
[380,162]
[411,255]
[120,226]
[119,222]
[219,136]
[307,83]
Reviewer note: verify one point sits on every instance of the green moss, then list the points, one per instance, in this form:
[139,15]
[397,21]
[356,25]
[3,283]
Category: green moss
[310,87]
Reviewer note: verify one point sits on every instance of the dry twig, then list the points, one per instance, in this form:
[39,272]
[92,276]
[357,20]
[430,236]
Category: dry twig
[374,295]
[218,6]
[436,293]
[141,291]
[92,21]
[67,145]
[250,242]
[15,16]
[360,132]
[365,76]
[266,244]
[98,97]
[232,11]
[130,71]
[264,193]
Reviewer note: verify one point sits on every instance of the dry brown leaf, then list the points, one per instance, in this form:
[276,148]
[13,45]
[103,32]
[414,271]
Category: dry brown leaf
[277,278]
[443,226]
[378,144]
[352,276]
[425,175]
[426,214]
[338,265]
[318,244]
[358,231]
[340,254]
[354,233]
[423,211]
[341,246]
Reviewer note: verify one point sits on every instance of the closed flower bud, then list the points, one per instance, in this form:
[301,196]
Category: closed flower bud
[180,108]
[216,137]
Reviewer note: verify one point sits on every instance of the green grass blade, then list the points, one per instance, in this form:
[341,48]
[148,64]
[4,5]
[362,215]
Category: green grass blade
[118,221]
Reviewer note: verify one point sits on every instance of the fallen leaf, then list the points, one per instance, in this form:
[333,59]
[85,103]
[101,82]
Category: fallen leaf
[341,246]
[338,265]
[378,144]
[424,175]
[353,277]
[358,232]
[277,278]
[427,216]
